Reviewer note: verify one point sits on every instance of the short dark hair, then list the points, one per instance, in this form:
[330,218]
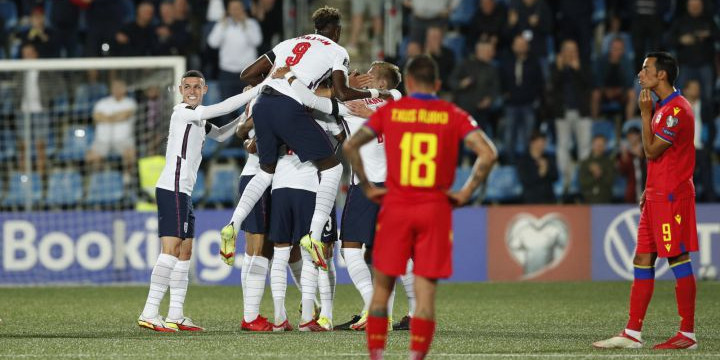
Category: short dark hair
[326,16]
[537,134]
[423,69]
[665,62]
[193,73]
[389,72]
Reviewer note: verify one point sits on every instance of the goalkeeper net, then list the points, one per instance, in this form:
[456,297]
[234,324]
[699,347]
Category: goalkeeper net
[82,142]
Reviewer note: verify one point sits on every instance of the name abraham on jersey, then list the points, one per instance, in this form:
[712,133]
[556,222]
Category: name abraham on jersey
[424,116]
[310,37]
[373,101]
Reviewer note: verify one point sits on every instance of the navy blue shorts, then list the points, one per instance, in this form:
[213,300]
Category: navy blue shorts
[257,220]
[291,214]
[279,119]
[359,217]
[175,214]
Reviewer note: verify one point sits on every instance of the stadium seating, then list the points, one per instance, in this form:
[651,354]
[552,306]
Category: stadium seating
[86,95]
[223,185]
[461,175]
[75,143]
[209,148]
[8,145]
[618,189]
[213,95]
[716,179]
[503,184]
[6,100]
[463,13]
[64,188]
[199,189]
[716,142]
[18,186]
[9,12]
[105,188]
[456,43]
[606,129]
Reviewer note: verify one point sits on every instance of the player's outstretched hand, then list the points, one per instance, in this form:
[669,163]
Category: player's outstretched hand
[280,72]
[359,81]
[459,198]
[358,108]
[375,193]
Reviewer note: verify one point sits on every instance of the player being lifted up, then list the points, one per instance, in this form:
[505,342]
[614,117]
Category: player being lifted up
[421,135]
[280,118]
[189,126]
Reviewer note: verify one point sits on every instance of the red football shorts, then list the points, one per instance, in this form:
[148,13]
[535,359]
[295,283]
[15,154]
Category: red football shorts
[667,228]
[422,232]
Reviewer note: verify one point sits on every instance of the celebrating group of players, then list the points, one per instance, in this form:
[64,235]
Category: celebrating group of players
[402,152]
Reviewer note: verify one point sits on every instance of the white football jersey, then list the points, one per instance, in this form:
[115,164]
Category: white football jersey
[184,151]
[291,173]
[312,59]
[252,165]
[372,153]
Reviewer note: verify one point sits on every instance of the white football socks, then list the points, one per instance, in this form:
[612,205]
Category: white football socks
[178,289]
[408,281]
[359,274]
[296,273]
[243,273]
[255,287]
[324,199]
[309,283]
[159,281]
[326,284]
[250,196]
[278,282]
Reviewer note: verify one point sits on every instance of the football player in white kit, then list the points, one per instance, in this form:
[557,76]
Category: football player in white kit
[189,126]
[280,119]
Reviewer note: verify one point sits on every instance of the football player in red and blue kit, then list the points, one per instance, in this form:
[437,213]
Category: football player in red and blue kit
[667,222]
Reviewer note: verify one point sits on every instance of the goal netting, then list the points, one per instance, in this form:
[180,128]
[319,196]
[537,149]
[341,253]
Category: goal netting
[82,143]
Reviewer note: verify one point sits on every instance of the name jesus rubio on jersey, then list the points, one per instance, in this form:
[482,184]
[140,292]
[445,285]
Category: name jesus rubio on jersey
[420,115]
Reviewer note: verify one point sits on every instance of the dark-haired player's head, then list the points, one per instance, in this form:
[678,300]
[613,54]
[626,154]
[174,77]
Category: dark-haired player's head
[659,69]
[385,75]
[327,22]
[421,75]
[193,88]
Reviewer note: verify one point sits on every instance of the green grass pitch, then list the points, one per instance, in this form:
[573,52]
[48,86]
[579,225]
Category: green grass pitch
[476,321]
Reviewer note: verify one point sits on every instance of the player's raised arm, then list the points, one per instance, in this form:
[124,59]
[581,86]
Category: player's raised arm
[258,70]
[224,132]
[344,92]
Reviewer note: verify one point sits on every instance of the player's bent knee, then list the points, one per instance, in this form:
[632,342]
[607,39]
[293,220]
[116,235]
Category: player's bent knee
[645,259]
[680,258]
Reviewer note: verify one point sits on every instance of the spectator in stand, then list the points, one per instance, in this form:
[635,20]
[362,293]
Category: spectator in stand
[269,14]
[574,20]
[631,164]
[64,18]
[615,31]
[237,37]
[38,89]
[647,26]
[537,172]
[172,36]
[476,84]
[428,13]
[693,36]
[488,24]
[703,157]
[443,56]
[114,117]
[614,81]
[104,20]
[570,94]
[359,8]
[597,173]
[156,115]
[45,40]
[533,20]
[522,83]
[137,38]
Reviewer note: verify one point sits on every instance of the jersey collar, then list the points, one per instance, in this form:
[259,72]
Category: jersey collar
[675,94]
[421,96]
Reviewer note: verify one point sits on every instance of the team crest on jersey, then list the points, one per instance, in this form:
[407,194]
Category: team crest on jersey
[671,121]
[676,110]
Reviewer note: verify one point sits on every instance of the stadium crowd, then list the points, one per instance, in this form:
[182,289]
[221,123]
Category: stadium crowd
[552,81]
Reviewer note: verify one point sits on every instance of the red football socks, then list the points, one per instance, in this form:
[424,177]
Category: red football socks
[421,336]
[640,295]
[685,290]
[376,329]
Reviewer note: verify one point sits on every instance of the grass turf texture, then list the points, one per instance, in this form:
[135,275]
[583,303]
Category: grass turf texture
[476,321]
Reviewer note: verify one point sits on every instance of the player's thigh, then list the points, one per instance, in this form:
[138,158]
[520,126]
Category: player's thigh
[175,216]
[359,217]
[673,226]
[645,237]
[254,243]
[281,217]
[302,206]
[265,110]
[393,240]
[257,221]
[302,134]
[432,250]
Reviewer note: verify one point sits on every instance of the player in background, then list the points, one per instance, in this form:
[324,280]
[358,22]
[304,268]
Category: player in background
[280,118]
[189,126]
[667,225]
[421,134]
